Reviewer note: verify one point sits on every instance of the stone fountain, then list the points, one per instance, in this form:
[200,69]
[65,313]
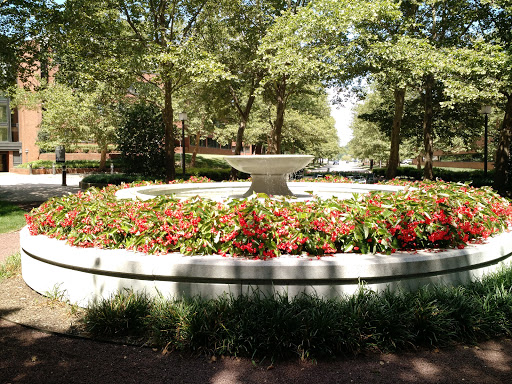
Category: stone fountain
[269,173]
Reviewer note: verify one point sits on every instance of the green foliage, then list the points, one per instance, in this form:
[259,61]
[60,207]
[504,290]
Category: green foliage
[308,127]
[11,266]
[115,179]
[123,314]
[308,327]
[423,215]
[208,161]
[457,127]
[368,142]
[214,174]
[141,140]
[71,115]
[48,164]
[12,217]
[474,177]
[24,39]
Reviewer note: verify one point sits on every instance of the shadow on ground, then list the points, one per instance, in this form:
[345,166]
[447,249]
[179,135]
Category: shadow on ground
[29,356]
[33,192]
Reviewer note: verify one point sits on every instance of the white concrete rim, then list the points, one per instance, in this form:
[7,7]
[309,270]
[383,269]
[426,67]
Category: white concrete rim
[68,266]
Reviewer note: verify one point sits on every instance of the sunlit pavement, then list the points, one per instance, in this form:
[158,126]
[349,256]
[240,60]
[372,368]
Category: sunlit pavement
[35,188]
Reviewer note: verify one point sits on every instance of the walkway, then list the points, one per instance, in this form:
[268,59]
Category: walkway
[35,188]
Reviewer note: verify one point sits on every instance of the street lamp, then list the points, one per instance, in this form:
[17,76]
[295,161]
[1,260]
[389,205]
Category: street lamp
[485,110]
[183,117]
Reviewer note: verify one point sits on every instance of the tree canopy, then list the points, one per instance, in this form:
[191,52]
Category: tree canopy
[255,71]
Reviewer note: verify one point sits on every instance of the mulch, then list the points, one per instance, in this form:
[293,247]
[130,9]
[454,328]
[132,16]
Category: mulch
[43,341]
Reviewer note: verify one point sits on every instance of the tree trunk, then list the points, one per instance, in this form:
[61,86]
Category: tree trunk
[427,128]
[170,169]
[244,117]
[503,150]
[277,128]
[395,134]
[196,149]
[103,158]
[239,142]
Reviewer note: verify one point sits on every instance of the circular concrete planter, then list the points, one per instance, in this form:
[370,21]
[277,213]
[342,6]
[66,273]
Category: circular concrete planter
[84,274]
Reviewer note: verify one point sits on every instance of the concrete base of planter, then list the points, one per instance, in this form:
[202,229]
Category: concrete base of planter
[85,274]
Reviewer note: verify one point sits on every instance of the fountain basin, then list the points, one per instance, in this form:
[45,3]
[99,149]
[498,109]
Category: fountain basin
[85,274]
[222,191]
[269,164]
[269,172]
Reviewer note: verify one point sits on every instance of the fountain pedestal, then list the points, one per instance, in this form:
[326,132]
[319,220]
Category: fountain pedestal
[269,172]
[269,184]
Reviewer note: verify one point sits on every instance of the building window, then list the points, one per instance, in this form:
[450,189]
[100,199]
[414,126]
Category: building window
[5,118]
[3,114]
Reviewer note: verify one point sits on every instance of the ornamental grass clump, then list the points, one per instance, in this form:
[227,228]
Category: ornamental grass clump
[278,327]
[425,215]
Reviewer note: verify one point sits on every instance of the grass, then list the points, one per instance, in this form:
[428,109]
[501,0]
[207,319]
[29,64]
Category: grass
[207,161]
[310,327]
[12,217]
[10,267]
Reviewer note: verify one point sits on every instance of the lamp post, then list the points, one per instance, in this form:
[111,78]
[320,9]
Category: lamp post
[485,110]
[183,117]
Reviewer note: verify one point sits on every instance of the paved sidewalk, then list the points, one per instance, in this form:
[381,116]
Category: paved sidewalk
[35,188]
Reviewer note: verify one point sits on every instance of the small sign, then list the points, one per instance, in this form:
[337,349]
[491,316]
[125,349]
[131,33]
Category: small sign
[60,154]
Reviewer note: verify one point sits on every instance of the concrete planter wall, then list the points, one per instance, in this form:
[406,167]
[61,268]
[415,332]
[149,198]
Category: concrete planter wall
[85,274]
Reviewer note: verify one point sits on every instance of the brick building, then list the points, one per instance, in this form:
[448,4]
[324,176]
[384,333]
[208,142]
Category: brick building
[18,135]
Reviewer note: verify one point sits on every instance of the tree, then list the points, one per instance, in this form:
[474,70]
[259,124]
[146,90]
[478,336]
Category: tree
[150,48]
[368,141]
[235,42]
[308,127]
[24,39]
[205,108]
[457,124]
[102,118]
[487,79]
[70,116]
[502,22]
[447,25]
[319,42]
[288,69]
[62,122]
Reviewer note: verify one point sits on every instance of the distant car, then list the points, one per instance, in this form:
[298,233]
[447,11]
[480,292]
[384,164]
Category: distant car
[407,161]
[360,179]
[336,162]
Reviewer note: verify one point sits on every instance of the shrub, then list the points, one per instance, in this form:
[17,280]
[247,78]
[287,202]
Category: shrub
[475,177]
[115,178]
[48,164]
[141,140]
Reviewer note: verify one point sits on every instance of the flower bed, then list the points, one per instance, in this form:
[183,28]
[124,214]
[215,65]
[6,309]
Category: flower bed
[429,215]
